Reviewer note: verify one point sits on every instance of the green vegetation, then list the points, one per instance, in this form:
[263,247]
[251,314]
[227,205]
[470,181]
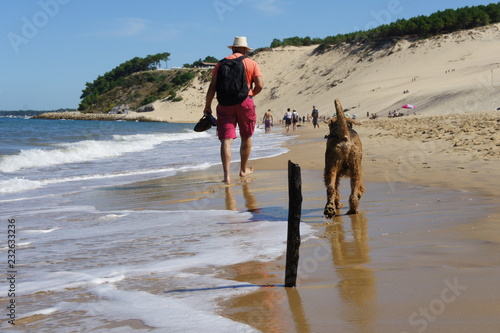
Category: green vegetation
[136,83]
[440,22]
[199,62]
[143,88]
[167,90]
[92,93]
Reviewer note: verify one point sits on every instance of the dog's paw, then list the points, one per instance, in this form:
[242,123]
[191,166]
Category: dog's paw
[329,212]
[352,211]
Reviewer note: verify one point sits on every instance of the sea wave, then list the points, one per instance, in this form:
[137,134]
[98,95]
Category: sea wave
[17,185]
[90,150]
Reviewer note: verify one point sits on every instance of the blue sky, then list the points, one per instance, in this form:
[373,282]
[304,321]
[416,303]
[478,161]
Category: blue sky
[50,48]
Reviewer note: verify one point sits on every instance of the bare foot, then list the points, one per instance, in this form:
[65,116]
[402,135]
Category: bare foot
[227,181]
[248,171]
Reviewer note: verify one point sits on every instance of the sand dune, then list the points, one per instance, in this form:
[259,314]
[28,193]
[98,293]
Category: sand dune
[453,73]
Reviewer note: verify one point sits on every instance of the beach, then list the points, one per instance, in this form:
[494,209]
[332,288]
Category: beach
[420,256]
[119,237]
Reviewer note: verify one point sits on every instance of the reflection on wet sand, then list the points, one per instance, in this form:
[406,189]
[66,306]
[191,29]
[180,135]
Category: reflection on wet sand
[297,310]
[277,309]
[230,199]
[262,310]
[250,201]
[269,311]
[357,282]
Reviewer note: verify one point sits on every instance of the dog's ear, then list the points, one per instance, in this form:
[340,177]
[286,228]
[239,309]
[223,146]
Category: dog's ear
[331,120]
[352,121]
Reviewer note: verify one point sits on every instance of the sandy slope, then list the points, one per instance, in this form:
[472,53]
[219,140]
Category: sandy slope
[453,73]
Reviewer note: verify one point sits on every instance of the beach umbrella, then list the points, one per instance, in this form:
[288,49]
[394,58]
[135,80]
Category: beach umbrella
[408,106]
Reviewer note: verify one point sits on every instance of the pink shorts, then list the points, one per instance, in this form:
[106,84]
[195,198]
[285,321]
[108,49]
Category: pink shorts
[242,115]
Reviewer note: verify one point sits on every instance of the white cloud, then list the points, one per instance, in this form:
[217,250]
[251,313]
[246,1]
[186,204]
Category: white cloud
[124,27]
[269,7]
[164,35]
[132,27]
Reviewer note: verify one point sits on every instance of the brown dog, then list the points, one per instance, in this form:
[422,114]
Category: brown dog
[342,159]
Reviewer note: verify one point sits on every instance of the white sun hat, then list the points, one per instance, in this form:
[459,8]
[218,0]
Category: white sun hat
[240,41]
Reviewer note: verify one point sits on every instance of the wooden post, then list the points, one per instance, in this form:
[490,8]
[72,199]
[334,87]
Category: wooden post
[294,214]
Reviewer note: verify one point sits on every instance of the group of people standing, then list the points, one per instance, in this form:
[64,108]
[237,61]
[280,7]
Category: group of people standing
[290,118]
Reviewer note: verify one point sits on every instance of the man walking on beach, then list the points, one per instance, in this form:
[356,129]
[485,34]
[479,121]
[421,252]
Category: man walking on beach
[288,119]
[233,111]
[268,120]
[315,115]
[295,119]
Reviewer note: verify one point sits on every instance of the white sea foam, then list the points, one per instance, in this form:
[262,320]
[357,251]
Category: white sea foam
[112,216]
[89,150]
[136,264]
[44,231]
[17,185]
[163,314]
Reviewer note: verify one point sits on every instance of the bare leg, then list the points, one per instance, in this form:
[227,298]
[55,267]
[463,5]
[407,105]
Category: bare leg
[225,155]
[245,150]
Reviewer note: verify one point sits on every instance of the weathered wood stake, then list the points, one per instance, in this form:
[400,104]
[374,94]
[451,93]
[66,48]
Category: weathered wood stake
[294,214]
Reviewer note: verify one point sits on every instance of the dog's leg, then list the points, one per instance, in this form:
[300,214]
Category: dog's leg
[357,189]
[330,177]
[338,204]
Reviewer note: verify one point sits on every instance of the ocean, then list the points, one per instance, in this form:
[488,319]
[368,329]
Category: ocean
[82,262]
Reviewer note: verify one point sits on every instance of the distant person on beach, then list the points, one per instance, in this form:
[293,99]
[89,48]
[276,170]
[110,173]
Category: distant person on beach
[295,119]
[239,110]
[288,119]
[268,120]
[315,116]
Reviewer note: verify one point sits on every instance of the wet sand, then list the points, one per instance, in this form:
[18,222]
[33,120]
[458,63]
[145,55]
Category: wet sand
[410,249]
[415,257]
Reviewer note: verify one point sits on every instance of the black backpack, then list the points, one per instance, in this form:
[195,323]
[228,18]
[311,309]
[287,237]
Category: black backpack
[232,86]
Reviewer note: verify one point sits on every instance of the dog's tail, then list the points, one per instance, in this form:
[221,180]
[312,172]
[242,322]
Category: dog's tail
[343,129]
